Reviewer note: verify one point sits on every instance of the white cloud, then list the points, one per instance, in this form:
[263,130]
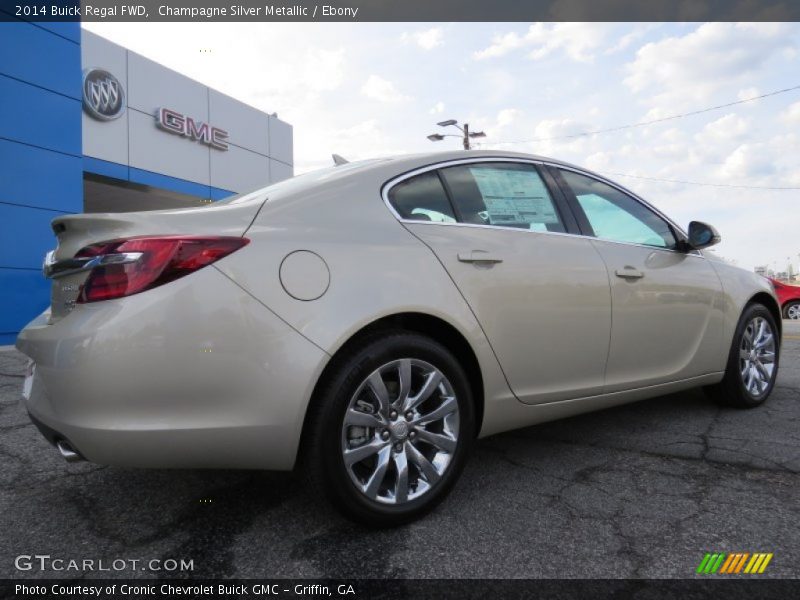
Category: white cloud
[578,41]
[724,129]
[363,139]
[626,40]
[792,114]
[674,151]
[713,144]
[501,45]
[747,161]
[748,93]
[437,109]
[507,116]
[670,145]
[427,39]
[495,127]
[383,90]
[558,128]
[600,161]
[553,141]
[497,85]
[677,71]
[323,69]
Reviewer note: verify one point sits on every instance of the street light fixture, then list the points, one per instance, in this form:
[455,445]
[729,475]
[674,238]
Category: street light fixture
[465,137]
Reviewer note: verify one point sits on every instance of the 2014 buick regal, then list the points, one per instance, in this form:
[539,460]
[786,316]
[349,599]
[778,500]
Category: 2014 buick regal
[367,322]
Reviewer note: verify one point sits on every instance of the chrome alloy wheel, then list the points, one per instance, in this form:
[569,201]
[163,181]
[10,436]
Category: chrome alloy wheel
[757,356]
[793,312]
[400,431]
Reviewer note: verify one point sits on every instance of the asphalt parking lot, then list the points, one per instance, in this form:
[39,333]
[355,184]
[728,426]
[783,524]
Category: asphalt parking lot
[637,491]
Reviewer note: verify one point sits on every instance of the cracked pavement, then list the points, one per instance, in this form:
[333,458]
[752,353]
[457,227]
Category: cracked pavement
[642,490]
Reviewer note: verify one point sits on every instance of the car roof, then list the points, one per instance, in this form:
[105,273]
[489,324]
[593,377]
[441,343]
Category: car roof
[379,170]
[411,161]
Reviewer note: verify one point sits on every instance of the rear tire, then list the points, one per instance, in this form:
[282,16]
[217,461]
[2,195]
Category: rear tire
[752,362]
[403,402]
[792,310]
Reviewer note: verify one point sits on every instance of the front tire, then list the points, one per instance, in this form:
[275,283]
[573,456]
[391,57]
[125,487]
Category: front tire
[753,360]
[390,428]
[792,310]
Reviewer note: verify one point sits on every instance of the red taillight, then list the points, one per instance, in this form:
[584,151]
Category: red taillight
[147,262]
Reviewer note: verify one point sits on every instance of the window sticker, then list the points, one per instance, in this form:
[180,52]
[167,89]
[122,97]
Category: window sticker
[514,197]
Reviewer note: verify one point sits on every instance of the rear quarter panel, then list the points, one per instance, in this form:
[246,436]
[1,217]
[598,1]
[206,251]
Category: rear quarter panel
[376,268]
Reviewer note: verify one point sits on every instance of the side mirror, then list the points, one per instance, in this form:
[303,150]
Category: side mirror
[702,235]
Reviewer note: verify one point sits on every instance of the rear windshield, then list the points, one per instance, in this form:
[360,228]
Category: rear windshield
[300,181]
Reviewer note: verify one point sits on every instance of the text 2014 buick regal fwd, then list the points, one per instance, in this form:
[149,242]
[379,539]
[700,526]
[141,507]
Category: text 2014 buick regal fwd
[367,322]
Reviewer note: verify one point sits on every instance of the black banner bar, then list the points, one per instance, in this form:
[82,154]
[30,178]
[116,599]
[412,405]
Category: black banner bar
[743,587]
[399,10]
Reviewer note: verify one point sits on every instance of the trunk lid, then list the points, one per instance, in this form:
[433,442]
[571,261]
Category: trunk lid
[74,232]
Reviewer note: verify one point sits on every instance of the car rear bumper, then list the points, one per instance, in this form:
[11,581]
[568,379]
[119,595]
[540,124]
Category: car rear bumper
[193,374]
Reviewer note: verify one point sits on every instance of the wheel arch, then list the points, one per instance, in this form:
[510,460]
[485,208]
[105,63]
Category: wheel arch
[772,306]
[433,327]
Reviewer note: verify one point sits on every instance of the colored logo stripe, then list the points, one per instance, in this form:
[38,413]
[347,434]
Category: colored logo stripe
[722,563]
[758,563]
[710,563]
[734,563]
[740,564]
[732,559]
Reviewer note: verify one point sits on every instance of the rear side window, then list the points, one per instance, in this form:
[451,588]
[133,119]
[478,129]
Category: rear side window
[502,194]
[422,198]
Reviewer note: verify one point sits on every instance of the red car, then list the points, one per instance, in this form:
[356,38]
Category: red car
[789,297]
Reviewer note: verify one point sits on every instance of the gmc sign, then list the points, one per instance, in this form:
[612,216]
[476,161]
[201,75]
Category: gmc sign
[177,123]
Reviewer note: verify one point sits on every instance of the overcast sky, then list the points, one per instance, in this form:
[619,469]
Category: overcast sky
[367,89]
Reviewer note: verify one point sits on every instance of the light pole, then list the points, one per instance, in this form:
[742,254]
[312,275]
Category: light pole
[466,135]
[798,265]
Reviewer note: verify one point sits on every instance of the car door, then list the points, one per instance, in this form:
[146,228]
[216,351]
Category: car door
[540,294]
[666,302]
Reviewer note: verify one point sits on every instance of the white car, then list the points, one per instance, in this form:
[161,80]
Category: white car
[368,321]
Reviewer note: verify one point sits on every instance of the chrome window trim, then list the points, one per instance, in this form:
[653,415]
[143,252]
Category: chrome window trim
[387,187]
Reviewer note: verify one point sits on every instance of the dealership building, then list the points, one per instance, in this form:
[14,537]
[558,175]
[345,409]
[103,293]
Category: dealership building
[89,126]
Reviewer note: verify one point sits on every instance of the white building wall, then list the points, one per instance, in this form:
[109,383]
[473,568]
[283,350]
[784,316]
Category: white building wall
[260,146]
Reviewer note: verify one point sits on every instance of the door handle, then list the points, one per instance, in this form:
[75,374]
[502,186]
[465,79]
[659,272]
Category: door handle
[479,256]
[629,273]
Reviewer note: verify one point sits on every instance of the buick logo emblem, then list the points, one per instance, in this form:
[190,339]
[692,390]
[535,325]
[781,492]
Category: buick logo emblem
[103,95]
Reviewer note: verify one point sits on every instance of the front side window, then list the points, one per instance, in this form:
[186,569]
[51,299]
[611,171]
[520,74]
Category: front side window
[502,194]
[422,198]
[616,216]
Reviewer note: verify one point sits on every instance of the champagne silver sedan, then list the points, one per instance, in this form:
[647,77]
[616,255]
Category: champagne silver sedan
[367,322]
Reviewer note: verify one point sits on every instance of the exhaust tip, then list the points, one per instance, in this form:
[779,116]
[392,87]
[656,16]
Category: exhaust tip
[68,452]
